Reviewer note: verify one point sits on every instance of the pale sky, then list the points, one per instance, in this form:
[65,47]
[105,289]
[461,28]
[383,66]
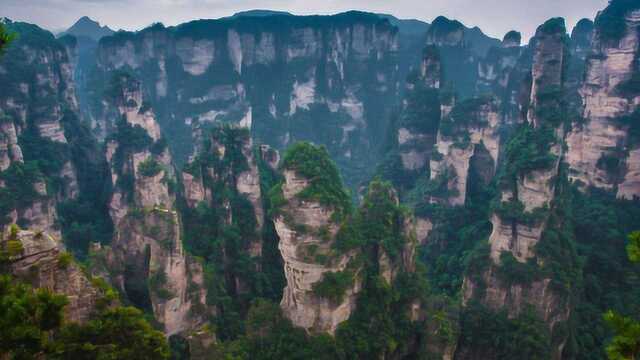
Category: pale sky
[494,17]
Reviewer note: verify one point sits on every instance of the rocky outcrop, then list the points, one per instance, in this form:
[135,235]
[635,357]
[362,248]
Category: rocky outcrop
[421,105]
[329,80]
[228,160]
[596,144]
[38,258]
[33,113]
[148,262]
[469,130]
[301,246]
[527,193]
[502,73]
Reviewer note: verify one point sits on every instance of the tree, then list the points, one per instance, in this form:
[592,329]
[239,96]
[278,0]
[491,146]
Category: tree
[27,316]
[117,333]
[626,341]
[32,326]
[5,38]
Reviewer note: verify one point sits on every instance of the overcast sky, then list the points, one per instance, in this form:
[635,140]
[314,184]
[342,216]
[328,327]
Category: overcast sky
[494,17]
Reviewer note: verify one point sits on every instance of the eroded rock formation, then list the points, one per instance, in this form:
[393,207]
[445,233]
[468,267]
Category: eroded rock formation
[307,233]
[149,263]
[601,152]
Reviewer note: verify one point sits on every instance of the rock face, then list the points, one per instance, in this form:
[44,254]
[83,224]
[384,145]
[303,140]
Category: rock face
[503,72]
[600,151]
[33,112]
[40,262]
[148,261]
[514,234]
[298,227]
[227,160]
[468,132]
[287,78]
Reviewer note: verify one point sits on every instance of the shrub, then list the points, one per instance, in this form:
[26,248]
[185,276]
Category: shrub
[611,24]
[149,167]
[553,26]
[334,285]
[515,211]
[528,150]
[511,271]
[157,283]
[64,260]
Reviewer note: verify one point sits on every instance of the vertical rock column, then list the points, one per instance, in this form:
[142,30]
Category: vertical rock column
[149,260]
[527,191]
[601,152]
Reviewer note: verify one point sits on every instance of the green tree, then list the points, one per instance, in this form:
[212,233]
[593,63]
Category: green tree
[27,317]
[117,333]
[626,341]
[5,38]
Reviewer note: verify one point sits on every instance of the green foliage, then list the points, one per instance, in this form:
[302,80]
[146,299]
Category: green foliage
[514,211]
[149,167]
[225,247]
[334,285]
[626,343]
[511,271]
[380,326]
[48,154]
[610,23]
[158,284]
[379,221]
[497,336]
[630,88]
[116,333]
[85,219]
[438,187]
[64,260]
[633,247]
[632,122]
[422,112]
[325,185]
[458,245]
[609,279]
[553,26]
[513,36]
[27,316]
[464,115]
[269,335]
[6,38]
[528,150]
[131,138]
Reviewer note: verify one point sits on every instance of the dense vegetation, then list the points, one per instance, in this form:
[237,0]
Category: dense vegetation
[231,273]
[325,185]
[611,22]
[33,327]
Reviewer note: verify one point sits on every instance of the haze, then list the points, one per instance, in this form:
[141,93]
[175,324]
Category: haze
[494,17]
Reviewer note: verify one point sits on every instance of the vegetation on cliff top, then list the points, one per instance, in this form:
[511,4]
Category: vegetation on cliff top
[611,23]
[325,185]
[553,26]
[5,37]
[528,150]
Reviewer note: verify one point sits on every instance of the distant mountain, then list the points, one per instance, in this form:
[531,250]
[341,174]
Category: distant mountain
[480,42]
[260,13]
[407,26]
[86,27]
